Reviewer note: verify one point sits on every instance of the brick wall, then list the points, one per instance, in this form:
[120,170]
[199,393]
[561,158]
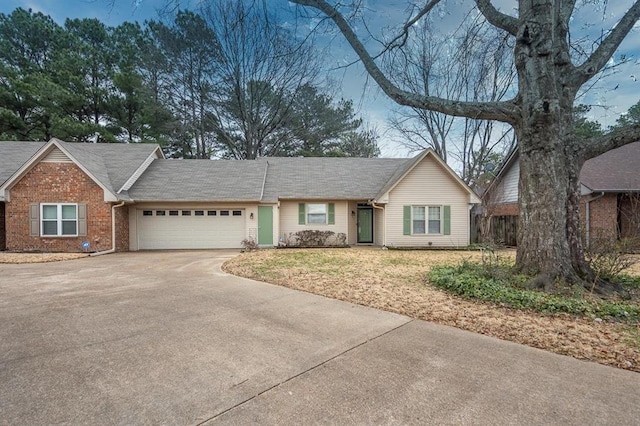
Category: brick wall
[2,229]
[629,215]
[57,183]
[603,217]
[122,228]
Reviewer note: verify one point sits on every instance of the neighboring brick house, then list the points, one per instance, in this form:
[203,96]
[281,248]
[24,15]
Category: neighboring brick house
[60,196]
[609,185]
[63,197]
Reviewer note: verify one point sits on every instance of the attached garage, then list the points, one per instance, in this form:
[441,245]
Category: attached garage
[172,228]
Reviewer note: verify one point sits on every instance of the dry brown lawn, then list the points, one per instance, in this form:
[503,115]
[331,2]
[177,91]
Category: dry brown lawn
[7,257]
[395,281]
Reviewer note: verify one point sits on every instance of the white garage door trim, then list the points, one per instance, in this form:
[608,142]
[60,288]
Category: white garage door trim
[171,228]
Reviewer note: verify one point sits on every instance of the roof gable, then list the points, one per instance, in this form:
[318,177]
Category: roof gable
[108,165]
[406,169]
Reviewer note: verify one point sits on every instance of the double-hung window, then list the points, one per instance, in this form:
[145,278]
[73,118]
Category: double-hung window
[418,220]
[425,220]
[59,220]
[434,220]
[317,213]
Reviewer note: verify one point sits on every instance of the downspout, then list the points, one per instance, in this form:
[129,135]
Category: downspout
[113,231]
[587,213]
[264,179]
[384,223]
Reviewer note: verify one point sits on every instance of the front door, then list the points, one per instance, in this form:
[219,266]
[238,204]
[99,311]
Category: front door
[365,225]
[265,225]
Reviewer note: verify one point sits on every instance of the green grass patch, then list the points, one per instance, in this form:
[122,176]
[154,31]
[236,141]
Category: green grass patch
[500,285]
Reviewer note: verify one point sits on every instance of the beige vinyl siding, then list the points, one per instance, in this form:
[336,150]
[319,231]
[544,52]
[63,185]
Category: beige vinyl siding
[352,237]
[507,190]
[250,225]
[378,227]
[289,217]
[428,184]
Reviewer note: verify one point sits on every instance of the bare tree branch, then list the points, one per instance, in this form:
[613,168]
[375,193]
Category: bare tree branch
[506,111]
[600,144]
[606,49]
[497,18]
[404,34]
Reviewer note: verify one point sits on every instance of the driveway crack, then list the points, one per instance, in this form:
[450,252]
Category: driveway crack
[312,368]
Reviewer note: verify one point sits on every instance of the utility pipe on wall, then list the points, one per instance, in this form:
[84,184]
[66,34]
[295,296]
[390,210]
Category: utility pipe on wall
[113,231]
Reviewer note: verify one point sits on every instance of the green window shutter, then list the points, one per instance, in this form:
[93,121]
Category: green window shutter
[447,220]
[332,214]
[406,220]
[82,219]
[301,214]
[34,220]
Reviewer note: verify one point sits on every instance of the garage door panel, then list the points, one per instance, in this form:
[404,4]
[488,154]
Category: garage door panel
[156,231]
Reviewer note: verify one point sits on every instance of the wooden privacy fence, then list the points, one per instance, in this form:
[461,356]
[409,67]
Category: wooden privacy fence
[503,230]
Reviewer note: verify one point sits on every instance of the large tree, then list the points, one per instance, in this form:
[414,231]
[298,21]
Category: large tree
[317,124]
[262,68]
[541,113]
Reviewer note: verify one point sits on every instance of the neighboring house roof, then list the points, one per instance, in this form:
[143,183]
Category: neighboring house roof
[200,180]
[109,165]
[614,171]
[15,154]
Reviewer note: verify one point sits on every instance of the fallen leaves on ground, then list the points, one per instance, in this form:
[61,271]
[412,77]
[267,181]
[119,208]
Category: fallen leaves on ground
[395,281]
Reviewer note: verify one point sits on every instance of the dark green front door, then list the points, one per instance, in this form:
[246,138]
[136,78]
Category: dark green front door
[265,225]
[365,225]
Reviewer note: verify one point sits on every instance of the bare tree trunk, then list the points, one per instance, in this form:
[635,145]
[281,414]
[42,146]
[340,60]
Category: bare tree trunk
[549,242]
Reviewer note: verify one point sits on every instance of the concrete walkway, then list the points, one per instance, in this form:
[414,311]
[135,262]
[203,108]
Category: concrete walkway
[167,338]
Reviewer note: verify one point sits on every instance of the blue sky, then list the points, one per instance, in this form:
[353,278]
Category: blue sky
[611,96]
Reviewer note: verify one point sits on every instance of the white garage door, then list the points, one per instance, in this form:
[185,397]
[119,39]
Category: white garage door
[190,229]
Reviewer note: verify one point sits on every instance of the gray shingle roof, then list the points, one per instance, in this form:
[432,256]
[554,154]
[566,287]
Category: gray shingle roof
[13,155]
[328,178]
[224,180]
[614,171]
[200,180]
[111,164]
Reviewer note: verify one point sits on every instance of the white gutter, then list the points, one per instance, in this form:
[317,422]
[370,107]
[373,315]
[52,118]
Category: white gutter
[113,231]
[587,213]
[384,222]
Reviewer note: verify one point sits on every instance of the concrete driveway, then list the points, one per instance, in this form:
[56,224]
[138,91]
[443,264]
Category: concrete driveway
[167,338]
